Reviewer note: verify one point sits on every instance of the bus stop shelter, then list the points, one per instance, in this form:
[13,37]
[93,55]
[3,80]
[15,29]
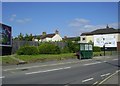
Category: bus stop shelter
[86,50]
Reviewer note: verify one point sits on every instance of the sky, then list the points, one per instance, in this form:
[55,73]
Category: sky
[69,18]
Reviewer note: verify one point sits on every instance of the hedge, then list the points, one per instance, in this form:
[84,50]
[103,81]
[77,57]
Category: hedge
[96,49]
[27,50]
[48,48]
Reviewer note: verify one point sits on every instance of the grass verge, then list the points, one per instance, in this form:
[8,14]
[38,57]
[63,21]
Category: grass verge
[36,58]
[6,60]
[45,57]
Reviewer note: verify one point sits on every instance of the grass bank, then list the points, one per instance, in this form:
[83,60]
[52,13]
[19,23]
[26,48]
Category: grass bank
[45,57]
[35,58]
[6,60]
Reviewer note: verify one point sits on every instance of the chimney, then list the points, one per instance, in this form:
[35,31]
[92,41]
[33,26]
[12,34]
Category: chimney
[107,26]
[43,33]
[56,32]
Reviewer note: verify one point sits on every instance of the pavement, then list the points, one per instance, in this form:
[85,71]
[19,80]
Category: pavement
[96,71]
[112,80]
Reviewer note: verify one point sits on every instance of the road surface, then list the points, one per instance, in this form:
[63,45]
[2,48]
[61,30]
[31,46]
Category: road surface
[91,71]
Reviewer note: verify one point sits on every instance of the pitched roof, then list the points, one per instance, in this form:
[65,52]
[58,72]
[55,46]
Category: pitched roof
[45,36]
[102,31]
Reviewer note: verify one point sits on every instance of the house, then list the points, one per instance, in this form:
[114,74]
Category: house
[48,37]
[100,37]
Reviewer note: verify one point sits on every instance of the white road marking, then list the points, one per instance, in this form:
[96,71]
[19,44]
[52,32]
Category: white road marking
[48,70]
[95,83]
[86,80]
[115,59]
[21,68]
[108,77]
[104,61]
[105,74]
[92,63]
[117,71]
[2,77]
[39,66]
[53,65]
[44,65]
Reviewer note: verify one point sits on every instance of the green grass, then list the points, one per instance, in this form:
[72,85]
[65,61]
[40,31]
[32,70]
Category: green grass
[45,57]
[7,60]
[107,53]
[35,58]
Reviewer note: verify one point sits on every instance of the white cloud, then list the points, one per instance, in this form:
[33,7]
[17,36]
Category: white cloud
[14,19]
[77,22]
[115,25]
[11,19]
[14,15]
[80,25]
[23,20]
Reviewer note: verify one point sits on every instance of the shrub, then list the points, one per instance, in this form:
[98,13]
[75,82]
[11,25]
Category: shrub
[96,49]
[48,48]
[27,50]
[65,50]
[73,47]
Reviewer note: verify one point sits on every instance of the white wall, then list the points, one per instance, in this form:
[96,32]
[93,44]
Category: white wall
[81,39]
[35,40]
[47,40]
[57,38]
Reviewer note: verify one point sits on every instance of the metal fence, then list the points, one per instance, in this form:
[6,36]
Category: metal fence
[17,44]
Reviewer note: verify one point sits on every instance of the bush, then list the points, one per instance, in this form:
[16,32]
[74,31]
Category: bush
[65,50]
[96,49]
[27,50]
[73,47]
[48,48]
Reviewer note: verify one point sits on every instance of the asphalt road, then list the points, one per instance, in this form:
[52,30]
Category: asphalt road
[91,71]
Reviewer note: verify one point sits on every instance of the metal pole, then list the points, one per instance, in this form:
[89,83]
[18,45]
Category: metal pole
[104,49]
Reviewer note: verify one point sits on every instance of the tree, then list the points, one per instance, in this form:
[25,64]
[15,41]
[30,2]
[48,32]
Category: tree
[73,47]
[20,36]
[90,42]
[30,37]
[77,39]
[16,38]
[26,37]
[38,37]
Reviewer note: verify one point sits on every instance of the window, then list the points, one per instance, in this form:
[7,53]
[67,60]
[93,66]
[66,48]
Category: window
[83,39]
[81,47]
[86,46]
[90,47]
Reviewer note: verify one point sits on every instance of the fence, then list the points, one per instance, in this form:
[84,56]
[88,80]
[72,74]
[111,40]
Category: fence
[17,44]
